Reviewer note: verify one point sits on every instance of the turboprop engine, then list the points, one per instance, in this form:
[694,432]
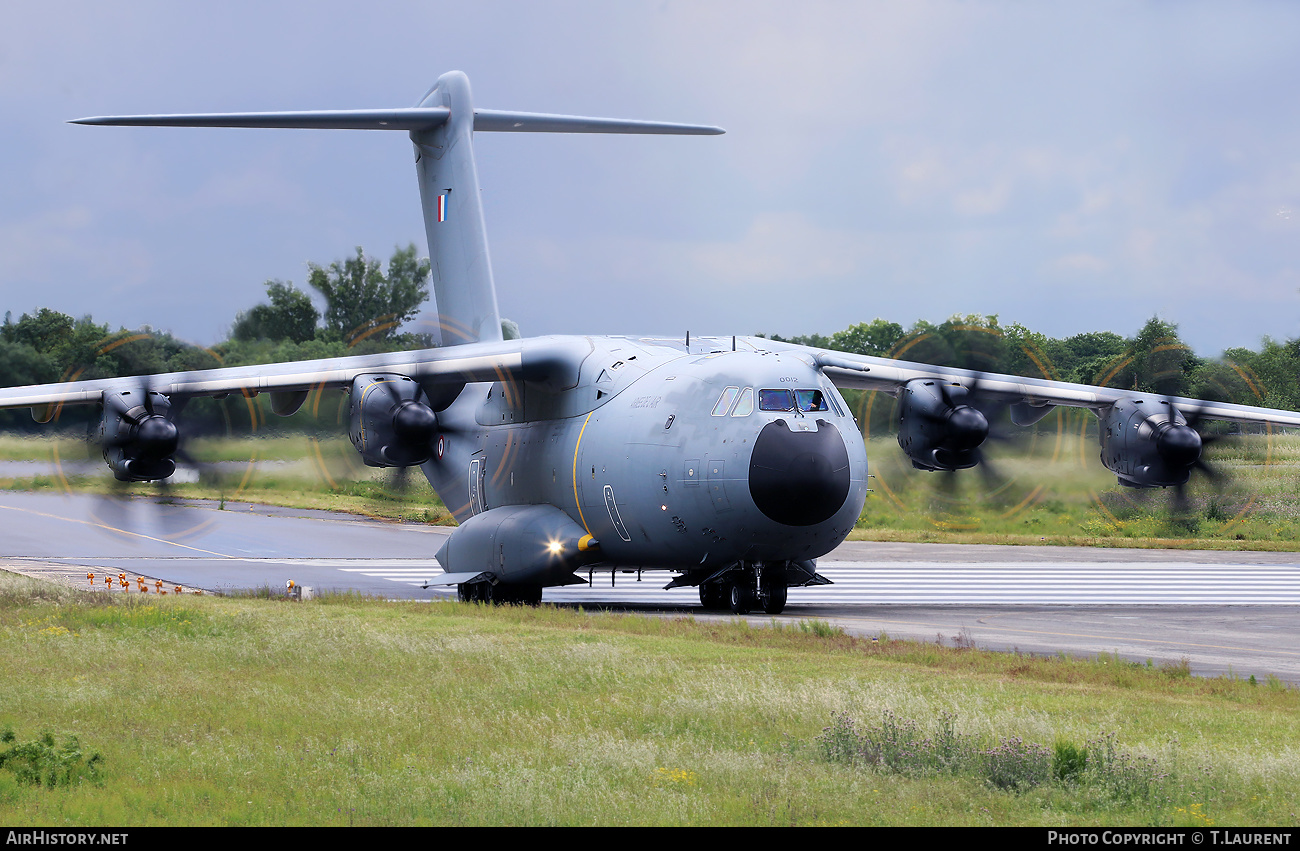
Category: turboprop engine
[938,428]
[1147,442]
[392,424]
[137,435]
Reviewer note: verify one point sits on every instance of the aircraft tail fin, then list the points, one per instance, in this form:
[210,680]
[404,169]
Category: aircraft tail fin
[441,127]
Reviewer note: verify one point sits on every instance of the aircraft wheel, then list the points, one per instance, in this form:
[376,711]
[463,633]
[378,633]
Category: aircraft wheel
[463,593]
[773,599]
[712,596]
[741,598]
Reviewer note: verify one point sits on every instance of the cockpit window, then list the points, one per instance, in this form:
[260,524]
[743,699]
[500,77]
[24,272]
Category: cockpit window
[775,400]
[724,401]
[810,400]
[791,400]
[745,406]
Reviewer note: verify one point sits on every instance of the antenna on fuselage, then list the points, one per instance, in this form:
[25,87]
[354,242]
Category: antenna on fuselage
[442,129]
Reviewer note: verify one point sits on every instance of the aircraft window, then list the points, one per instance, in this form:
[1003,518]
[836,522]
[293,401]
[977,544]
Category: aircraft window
[724,401]
[810,400]
[834,405]
[746,405]
[775,400]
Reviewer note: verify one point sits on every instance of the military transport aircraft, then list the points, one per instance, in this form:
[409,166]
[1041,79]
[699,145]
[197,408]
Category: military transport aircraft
[732,462]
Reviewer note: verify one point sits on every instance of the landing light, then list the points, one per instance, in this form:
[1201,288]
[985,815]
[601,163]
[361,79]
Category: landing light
[555,547]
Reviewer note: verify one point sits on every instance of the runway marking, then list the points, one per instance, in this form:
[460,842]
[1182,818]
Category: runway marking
[115,529]
[1079,635]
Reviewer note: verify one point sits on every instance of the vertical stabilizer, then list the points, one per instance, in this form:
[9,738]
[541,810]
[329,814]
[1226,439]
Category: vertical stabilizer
[453,217]
[442,129]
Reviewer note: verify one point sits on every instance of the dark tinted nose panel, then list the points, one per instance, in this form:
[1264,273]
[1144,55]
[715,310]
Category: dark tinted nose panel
[799,478]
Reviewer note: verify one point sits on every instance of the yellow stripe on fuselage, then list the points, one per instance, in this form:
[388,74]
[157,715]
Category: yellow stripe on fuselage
[576,447]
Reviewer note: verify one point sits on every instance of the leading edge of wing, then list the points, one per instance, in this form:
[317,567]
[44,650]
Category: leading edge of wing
[547,360]
[862,372]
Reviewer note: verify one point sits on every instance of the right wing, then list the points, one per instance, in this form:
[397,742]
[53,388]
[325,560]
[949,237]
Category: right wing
[550,361]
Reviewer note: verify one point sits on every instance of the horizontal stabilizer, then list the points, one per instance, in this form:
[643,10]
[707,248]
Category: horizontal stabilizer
[539,122]
[418,118]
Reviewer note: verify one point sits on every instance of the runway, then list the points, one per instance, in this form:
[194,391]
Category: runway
[1222,611]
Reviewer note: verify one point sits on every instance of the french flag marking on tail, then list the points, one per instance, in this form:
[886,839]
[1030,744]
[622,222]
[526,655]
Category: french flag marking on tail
[442,208]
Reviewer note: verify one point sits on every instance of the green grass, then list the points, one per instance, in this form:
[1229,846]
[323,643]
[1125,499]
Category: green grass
[352,711]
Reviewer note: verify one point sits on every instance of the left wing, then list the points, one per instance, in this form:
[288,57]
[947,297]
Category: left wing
[861,372]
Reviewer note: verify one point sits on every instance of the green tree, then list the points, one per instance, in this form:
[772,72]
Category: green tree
[364,303]
[876,338]
[45,331]
[1159,361]
[976,342]
[289,316]
[1092,357]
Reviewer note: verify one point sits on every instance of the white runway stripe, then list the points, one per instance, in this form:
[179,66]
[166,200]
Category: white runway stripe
[1058,583]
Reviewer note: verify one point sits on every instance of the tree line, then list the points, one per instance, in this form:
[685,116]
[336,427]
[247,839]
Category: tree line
[1154,360]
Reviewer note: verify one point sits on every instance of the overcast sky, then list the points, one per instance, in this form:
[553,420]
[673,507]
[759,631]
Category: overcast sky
[1072,167]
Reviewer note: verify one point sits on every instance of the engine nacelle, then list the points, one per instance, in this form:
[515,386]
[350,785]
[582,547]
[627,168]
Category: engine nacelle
[1147,443]
[137,435]
[937,427]
[521,544]
[392,424]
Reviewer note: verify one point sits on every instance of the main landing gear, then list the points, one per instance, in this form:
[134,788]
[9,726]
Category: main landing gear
[499,594]
[745,588]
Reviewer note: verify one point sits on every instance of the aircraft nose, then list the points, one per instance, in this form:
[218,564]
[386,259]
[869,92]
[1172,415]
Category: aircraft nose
[799,478]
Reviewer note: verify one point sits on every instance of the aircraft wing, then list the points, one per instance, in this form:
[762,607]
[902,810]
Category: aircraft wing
[545,360]
[861,372]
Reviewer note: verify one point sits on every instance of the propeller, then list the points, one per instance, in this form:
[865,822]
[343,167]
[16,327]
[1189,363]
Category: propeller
[958,428]
[1181,447]
[140,440]
[969,420]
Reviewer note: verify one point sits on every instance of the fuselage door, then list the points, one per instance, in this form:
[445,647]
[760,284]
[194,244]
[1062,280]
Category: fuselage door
[476,485]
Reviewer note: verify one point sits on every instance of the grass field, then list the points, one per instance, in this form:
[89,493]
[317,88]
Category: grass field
[348,711]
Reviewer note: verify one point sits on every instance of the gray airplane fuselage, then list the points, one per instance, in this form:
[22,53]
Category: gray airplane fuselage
[670,456]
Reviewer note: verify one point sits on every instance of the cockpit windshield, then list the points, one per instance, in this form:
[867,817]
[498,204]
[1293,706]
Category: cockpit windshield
[791,400]
[810,400]
[775,400]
